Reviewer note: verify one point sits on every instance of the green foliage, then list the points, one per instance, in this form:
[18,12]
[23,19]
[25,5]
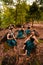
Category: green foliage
[8,17]
[27,13]
[41,41]
[20,12]
[41,18]
[34,12]
[8,2]
[0,18]
[41,2]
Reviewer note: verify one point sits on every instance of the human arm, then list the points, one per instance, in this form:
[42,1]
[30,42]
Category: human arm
[27,39]
[14,37]
[36,40]
[24,54]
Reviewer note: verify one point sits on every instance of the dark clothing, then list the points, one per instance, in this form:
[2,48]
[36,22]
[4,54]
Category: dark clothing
[20,34]
[11,42]
[30,46]
[27,31]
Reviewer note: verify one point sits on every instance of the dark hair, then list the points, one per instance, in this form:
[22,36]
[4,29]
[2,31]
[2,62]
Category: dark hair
[10,28]
[36,33]
[7,60]
[28,27]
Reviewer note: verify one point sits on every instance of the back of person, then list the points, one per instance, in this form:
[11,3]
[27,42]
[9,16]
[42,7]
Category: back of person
[28,31]
[20,34]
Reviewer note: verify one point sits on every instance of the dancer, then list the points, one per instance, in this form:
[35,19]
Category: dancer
[11,41]
[28,31]
[20,34]
[30,46]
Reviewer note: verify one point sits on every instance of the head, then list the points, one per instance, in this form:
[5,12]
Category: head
[22,27]
[32,32]
[11,26]
[28,27]
[36,33]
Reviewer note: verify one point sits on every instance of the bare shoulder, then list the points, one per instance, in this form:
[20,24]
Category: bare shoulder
[34,36]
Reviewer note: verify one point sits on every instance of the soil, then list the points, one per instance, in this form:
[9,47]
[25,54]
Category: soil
[4,49]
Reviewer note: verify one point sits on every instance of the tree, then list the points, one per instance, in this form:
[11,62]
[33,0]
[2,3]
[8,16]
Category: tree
[41,2]
[17,15]
[41,8]
[8,17]
[27,13]
[0,18]
[8,2]
[34,12]
[20,11]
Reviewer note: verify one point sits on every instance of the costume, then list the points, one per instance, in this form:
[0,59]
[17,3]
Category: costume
[11,42]
[20,34]
[27,31]
[30,46]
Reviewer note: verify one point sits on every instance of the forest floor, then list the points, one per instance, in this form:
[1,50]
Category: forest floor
[4,49]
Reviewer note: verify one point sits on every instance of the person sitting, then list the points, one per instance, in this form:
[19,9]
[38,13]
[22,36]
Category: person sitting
[20,34]
[30,46]
[28,31]
[11,41]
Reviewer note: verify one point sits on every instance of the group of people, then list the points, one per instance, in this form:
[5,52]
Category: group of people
[29,45]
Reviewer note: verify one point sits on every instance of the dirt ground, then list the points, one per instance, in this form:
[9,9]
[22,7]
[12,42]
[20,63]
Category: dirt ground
[4,49]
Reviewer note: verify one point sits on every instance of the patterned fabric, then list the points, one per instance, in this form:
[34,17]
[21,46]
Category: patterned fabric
[12,42]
